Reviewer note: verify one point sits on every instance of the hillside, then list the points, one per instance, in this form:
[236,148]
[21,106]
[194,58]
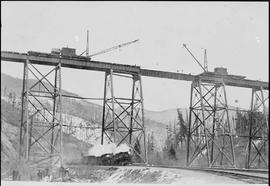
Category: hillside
[87,113]
[79,113]
[75,112]
[10,122]
[76,107]
[15,84]
[169,116]
[165,116]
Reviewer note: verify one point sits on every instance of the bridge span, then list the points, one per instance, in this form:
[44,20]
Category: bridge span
[208,111]
[128,69]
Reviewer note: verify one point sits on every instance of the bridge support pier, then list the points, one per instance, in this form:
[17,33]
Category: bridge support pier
[257,147]
[37,114]
[209,129]
[123,118]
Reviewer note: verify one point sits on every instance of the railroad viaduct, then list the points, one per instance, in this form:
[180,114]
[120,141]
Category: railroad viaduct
[209,130]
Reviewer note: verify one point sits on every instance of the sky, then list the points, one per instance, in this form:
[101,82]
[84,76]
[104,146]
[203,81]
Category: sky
[235,35]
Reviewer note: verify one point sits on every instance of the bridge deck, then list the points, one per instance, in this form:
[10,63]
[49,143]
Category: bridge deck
[87,64]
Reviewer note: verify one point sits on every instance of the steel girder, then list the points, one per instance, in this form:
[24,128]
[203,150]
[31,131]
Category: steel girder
[123,118]
[209,129]
[41,125]
[257,147]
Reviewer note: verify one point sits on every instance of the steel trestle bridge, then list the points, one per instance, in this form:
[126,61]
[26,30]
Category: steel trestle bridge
[209,130]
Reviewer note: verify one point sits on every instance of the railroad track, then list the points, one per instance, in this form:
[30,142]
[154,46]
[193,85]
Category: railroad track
[257,176]
[246,175]
[250,176]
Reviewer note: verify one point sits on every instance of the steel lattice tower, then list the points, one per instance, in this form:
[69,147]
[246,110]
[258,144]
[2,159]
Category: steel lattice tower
[209,129]
[41,126]
[123,118]
[257,147]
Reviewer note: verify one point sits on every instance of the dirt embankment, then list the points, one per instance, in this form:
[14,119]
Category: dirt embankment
[103,174]
[135,174]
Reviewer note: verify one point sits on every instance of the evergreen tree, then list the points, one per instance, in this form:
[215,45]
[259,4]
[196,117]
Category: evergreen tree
[172,153]
[137,148]
[182,133]
[167,130]
[148,144]
[243,121]
[14,100]
[10,97]
[170,129]
[152,142]
[5,91]
[158,158]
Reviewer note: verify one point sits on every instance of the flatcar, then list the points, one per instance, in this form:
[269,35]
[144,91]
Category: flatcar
[64,52]
[39,54]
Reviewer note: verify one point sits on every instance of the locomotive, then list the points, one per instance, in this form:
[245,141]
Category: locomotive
[119,159]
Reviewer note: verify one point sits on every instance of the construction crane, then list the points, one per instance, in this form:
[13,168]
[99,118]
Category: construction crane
[106,50]
[113,48]
[205,67]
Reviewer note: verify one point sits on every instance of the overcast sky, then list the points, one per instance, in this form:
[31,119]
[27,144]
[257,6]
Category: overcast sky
[234,34]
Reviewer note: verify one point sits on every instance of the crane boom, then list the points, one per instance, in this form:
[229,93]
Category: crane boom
[184,45]
[113,48]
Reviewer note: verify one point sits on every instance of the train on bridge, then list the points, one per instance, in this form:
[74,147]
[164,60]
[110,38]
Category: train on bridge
[65,52]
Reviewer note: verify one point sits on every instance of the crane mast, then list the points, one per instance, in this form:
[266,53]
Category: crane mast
[87,44]
[205,61]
